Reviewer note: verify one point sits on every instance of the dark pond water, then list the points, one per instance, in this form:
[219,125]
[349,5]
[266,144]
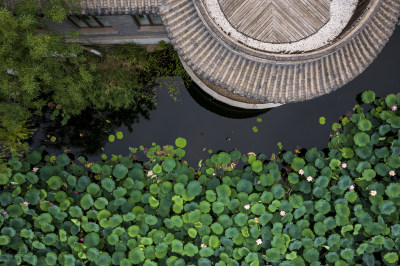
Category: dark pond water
[207,124]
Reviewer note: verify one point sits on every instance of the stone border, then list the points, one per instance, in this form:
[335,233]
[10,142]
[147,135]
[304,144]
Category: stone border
[226,100]
[341,12]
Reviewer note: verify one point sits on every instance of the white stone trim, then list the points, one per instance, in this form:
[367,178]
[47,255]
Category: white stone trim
[341,12]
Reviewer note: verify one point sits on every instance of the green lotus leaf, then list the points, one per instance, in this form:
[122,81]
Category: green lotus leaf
[93,189]
[361,139]
[368,96]
[322,120]
[241,219]
[218,207]
[51,258]
[347,254]
[44,219]
[30,177]
[265,218]
[351,196]
[266,179]
[115,220]
[86,201]
[231,232]
[19,178]
[54,182]
[4,240]
[113,239]
[387,207]
[92,254]
[180,142]
[194,188]
[382,153]
[347,153]
[151,220]
[38,245]
[297,164]
[108,184]
[9,231]
[192,232]
[34,157]
[368,174]
[364,125]
[96,168]
[391,257]
[296,201]
[394,162]
[258,209]
[273,254]
[214,242]
[311,255]
[30,258]
[223,158]
[136,256]
[345,182]
[205,207]
[394,121]
[190,250]
[168,165]
[100,203]
[206,252]
[119,135]
[63,160]
[278,191]
[211,196]
[223,191]
[50,239]
[75,211]
[91,240]
[177,246]
[154,203]
[15,210]
[393,190]
[257,166]
[119,192]
[322,206]
[244,186]
[32,196]
[217,228]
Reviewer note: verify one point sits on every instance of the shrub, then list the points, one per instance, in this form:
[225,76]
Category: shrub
[313,208]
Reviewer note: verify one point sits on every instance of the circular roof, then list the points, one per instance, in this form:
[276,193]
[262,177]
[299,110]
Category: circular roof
[215,53]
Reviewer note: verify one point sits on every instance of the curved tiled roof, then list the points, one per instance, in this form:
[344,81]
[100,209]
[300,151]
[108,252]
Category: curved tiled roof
[274,77]
[118,7]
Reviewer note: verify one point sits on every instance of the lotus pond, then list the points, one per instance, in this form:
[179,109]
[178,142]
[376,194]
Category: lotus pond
[211,126]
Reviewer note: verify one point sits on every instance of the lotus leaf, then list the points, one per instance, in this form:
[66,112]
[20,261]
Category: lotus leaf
[394,121]
[119,192]
[211,196]
[4,240]
[34,157]
[177,246]
[206,252]
[273,254]
[387,207]
[347,153]
[391,257]
[180,142]
[368,96]
[223,191]
[119,135]
[154,203]
[361,139]
[345,182]
[54,182]
[218,207]
[194,188]
[120,171]
[394,162]
[278,191]
[75,211]
[51,258]
[297,163]
[169,164]
[151,220]
[108,184]
[30,258]
[364,125]
[136,256]
[115,220]
[244,186]
[217,228]
[15,210]
[231,232]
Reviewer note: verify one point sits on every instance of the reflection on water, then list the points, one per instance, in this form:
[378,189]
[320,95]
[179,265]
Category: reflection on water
[208,124]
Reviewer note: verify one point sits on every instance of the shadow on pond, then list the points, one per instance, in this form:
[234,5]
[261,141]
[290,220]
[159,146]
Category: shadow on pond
[213,105]
[89,131]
